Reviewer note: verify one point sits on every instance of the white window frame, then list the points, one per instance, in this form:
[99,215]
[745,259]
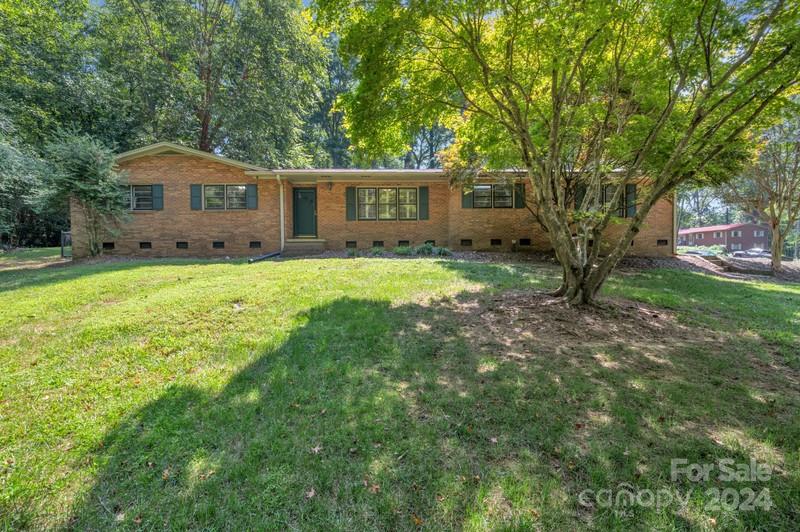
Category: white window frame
[736,233]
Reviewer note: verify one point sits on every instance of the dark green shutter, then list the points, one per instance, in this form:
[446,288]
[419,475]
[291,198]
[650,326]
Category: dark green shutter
[519,195]
[423,203]
[158,197]
[197,197]
[630,200]
[350,201]
[251,195]
[580,193]
[466,198]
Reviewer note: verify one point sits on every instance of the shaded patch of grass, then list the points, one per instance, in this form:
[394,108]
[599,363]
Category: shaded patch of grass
[372,393]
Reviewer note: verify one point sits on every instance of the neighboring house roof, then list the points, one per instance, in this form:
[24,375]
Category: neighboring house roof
[708,228]
[167,148]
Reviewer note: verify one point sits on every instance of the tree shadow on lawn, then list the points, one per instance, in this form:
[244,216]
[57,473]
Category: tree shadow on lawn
[473,411]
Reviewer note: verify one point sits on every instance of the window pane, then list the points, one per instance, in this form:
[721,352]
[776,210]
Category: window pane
[387,203]
[367,204]
[503,196]
[387,195]
[408,212]
[482,196]
[237,196]
[214,196]
[387,211]
[142,197]
[366,211]
[407,196]
[127,192]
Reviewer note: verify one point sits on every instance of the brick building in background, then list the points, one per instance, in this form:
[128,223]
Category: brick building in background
[185,202]
[734,237]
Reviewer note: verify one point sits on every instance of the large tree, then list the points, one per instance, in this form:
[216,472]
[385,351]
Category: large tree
[584,97]
[770,186]
[233,76]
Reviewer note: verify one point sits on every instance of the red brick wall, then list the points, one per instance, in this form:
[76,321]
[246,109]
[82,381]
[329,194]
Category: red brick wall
[178,222]
[448,222]
[333,226]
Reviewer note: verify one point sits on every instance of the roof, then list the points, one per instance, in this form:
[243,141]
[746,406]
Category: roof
[298,175]
[167,148]
[709,228]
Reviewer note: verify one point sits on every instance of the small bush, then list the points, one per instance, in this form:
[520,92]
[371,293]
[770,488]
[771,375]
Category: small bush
[352,252]
[403,250]
[376,251]
[424,249]
[442,251]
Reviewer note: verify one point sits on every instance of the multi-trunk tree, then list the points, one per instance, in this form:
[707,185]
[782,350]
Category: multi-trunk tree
[584,98]
[770,186]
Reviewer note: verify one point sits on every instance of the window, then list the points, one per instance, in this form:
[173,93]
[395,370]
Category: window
[403,243]
[145,245]
[141,198]
[387,204]
[524,241]
[717,234]
[108,246]
[736,247]
[350,244]
[503,196]
[466,242]
[407,203]
[758,233]
[255,244]
[482,196]
[214,197]
[218,244]
[736,233]
[662,242]
[235,197]
[699,236]
[367,204]
[377,243]
[182,245]
[497,241]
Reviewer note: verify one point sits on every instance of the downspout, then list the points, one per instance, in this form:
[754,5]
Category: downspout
[280,209]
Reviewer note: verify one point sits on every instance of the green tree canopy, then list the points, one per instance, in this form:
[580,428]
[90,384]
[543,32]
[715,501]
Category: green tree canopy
[577,95]
[233,76]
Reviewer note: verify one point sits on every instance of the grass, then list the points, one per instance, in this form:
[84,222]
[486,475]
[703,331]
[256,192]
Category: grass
[29,257]
[374,393]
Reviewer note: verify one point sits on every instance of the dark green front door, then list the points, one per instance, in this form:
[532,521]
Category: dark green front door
[305,212]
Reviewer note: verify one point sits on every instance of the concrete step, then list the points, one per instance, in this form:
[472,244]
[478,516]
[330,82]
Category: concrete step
[296,247]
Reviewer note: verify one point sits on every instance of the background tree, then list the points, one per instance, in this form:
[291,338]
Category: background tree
[583,97]
[427,145]
[82,170]
[325,135]
[770,186]
[701,206]
[230,76]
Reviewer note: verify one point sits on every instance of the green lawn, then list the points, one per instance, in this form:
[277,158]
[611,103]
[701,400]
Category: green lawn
[351,394]
[29,257]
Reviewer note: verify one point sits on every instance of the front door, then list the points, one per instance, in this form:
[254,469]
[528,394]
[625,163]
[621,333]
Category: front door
[305,212]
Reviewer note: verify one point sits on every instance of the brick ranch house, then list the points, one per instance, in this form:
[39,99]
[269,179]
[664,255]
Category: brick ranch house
[734,237]
[185,202]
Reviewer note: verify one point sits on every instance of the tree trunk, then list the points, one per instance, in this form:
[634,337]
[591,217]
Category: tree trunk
[777,249]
